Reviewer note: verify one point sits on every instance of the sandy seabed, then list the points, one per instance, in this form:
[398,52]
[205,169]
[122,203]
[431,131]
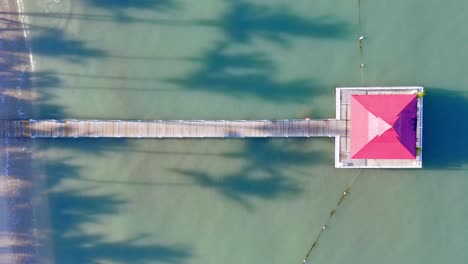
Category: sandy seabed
[24,228]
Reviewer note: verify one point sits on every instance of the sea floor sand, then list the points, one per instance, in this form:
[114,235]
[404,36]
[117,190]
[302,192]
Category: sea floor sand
[22,209]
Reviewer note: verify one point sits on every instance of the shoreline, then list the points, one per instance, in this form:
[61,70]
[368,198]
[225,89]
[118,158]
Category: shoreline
[24,220]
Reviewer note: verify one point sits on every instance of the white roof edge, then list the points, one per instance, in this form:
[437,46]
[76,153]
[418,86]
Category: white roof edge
[382,88]
[419,161]
[378,167]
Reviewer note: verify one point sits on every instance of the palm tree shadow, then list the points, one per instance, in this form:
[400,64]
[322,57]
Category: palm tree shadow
[444,131]
[133,4]
[245,21]
[243,75]
[264,177]
[226,70]
[75,208]
[72,209]
[277,153]
[242,187]
[54,42]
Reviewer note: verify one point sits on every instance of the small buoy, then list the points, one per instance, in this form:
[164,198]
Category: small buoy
[324,227]
[362,65]
[361,37]
[345,193]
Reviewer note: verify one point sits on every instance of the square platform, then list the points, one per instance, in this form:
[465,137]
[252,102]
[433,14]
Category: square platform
[343,142]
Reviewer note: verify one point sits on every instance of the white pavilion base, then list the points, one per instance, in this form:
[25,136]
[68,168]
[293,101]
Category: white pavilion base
[343,143]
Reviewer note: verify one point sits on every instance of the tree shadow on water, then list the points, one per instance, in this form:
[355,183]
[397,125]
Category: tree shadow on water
[73,209]
[241,187]
[121,8]
[133,4]
[444,131]
[54,42]
[250,72]
[23,86]
[244,21]
[242,75]
[72,244]
[35,86]
[275,155]
[265,176]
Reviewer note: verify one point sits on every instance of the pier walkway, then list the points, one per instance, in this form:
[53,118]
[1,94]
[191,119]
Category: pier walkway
[171,128]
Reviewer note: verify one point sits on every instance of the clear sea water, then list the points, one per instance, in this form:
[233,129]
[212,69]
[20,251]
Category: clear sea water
[247,201]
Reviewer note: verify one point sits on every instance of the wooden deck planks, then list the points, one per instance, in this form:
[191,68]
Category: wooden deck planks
[171,128]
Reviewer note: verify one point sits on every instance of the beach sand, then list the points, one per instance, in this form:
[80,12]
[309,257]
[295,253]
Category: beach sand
[24,220]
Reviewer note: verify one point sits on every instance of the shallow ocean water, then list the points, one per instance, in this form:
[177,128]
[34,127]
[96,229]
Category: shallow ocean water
[247,201]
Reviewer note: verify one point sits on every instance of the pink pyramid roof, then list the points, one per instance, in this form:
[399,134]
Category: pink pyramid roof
[383,126]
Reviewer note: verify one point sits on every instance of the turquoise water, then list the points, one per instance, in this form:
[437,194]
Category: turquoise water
[247,201]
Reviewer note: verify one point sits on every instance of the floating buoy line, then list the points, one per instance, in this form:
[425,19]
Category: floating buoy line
[342,197]
[361,39]
[346,192]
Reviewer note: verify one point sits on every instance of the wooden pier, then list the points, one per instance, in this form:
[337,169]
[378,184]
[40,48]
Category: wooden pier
[339,128]
[171,129]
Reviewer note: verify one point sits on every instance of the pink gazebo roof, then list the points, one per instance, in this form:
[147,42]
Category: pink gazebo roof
[383,126]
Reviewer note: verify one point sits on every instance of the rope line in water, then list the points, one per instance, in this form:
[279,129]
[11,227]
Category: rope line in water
[343,195]
[361,38]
